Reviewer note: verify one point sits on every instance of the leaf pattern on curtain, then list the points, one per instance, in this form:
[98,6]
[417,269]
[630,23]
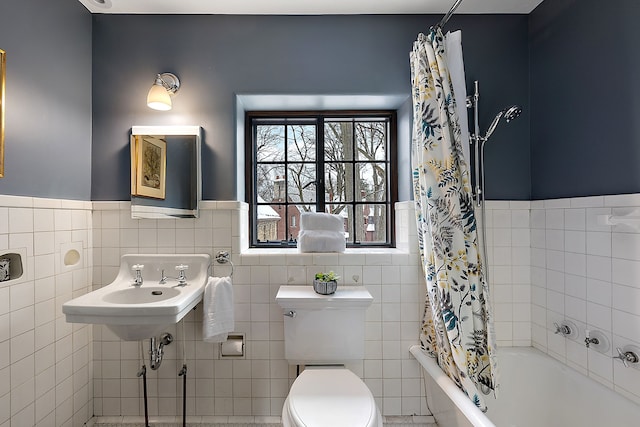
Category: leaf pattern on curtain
[457,327]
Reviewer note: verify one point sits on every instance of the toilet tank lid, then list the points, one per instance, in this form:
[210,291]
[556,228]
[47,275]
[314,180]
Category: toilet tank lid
[306,297]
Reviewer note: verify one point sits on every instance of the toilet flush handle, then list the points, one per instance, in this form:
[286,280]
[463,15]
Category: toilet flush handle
[290,313]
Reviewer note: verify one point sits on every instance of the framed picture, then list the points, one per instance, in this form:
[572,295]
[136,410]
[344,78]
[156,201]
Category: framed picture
[148,166]
[3,66]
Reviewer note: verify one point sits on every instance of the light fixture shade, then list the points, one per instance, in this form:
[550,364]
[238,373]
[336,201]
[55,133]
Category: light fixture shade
[158,98]
[164,86]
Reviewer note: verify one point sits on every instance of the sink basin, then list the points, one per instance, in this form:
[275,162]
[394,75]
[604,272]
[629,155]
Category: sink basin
[139,312]
[140,295]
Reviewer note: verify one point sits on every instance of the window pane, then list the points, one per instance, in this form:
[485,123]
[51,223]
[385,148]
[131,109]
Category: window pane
[268,224]
[372,182]
[269,143]
[338,182]
[293,212]
[301,143]
[345,211]
[301,182]
[270,182]
[371,223]
[371,141]
[338,141]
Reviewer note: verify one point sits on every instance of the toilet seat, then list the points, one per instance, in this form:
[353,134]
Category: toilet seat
[335,397]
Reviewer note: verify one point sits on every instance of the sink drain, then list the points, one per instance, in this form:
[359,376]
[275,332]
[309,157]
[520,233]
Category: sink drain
[156,292]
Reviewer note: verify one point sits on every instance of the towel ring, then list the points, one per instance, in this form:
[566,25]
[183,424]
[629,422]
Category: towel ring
[222,257]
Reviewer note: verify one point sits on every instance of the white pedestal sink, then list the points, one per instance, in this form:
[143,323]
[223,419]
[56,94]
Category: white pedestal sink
[136,312]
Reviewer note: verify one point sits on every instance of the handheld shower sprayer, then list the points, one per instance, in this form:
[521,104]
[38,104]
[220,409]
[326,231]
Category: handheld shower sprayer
[513,113]
[509,114]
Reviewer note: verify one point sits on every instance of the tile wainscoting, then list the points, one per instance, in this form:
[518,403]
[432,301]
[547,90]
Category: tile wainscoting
[588,273]
[550,260]
[258,384]
[45,363]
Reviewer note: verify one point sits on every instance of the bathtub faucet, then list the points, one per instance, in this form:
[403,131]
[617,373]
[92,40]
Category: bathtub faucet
[589,340]
[627,357]
[562,329]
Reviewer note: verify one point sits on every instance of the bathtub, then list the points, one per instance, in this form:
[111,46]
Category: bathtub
[535,391]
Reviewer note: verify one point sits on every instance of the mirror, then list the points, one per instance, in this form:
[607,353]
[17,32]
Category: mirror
[166,174]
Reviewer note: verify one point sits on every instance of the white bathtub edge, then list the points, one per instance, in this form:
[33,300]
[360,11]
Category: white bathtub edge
[457,396]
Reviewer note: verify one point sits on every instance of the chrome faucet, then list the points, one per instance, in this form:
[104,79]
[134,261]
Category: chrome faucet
[562,329]
[588,341]
[628,357]
[137,281]
[182,278]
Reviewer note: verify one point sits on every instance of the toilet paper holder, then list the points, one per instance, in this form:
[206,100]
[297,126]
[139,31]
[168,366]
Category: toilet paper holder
[233,347]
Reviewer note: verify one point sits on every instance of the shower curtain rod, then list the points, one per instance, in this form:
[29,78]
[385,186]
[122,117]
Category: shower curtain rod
[446,17]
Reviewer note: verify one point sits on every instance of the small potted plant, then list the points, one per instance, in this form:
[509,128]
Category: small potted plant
[325,283]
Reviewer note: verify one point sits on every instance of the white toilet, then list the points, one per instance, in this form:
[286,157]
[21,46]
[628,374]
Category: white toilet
[322,332]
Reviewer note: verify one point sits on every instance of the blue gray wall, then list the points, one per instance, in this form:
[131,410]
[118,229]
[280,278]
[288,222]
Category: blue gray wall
[585,91]
[48,98]
[582,72]
[219,57]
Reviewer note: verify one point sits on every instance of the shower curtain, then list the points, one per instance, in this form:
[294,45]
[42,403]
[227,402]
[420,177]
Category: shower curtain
[457,326]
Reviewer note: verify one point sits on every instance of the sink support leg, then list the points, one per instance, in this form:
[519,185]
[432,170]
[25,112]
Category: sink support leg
[143,373]
[183,374]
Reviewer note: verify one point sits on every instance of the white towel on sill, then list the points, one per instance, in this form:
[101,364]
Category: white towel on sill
[321,241]
[218,317]
[321,221]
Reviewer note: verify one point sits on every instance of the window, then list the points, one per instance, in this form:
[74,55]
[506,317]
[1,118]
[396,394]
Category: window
[338,162]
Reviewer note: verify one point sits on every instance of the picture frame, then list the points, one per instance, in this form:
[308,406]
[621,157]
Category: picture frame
[148,166]
[3,67]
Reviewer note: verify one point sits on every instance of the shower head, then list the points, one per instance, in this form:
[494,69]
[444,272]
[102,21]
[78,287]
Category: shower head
[509,114]
[513,113]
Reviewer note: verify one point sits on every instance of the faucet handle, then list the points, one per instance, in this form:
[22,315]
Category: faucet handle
[182,279]
[627,357]
[562,329]
[137,281]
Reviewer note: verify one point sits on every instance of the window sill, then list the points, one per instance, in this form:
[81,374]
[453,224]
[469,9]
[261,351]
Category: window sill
[348,251]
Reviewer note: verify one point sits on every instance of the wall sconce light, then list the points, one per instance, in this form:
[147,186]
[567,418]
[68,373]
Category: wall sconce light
[165,85]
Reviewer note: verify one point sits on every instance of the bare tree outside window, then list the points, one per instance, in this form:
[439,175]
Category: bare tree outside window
[324,162]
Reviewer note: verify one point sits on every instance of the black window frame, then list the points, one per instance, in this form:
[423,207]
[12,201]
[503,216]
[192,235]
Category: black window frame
[317,118]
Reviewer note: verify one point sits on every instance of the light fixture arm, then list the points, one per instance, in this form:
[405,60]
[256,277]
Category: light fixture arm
[169,81]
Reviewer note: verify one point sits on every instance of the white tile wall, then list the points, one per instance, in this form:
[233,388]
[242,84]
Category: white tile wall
[45,363]
[257,385]
[509,256]
[549,260]
[588,273]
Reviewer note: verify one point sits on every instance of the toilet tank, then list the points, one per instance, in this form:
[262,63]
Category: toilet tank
[323,329]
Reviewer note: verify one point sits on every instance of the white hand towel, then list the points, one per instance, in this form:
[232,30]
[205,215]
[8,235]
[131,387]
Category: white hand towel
[321,221]
[218,319]
[321,241]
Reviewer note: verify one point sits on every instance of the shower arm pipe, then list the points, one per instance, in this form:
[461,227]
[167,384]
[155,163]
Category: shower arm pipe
[446,17]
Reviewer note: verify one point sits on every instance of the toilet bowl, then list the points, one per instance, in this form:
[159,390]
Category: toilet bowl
[326,394]
[330,396]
